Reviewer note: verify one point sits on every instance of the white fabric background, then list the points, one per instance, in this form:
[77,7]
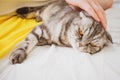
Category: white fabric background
[61,63]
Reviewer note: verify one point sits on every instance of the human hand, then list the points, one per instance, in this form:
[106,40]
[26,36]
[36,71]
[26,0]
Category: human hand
[92,7]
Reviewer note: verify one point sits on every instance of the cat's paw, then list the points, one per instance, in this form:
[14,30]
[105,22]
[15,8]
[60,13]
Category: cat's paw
[18,56]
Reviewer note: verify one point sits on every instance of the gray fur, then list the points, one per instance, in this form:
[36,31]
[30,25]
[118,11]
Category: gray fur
[64,27]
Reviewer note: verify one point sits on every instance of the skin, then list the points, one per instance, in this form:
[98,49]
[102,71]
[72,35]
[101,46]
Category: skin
[96,8]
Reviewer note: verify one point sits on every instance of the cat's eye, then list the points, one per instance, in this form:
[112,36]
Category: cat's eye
[81,33]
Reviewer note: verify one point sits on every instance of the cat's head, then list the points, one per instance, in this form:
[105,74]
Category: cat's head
[94,37]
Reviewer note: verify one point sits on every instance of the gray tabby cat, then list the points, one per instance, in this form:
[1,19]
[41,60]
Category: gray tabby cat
[62,26]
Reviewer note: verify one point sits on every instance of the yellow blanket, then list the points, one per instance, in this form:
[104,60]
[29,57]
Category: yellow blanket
[12,31]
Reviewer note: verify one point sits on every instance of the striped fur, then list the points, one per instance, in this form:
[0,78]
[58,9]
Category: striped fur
[64,27]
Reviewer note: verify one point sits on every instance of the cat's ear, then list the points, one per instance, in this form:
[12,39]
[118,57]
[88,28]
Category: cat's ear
[81,14]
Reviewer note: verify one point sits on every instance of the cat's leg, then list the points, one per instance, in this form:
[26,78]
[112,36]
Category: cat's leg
[30,12]
[23,49]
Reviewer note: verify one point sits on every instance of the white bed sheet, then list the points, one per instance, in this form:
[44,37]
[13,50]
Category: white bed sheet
[62,63]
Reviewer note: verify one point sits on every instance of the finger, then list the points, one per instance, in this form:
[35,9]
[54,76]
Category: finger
[102,19]
[99,11]
[86,6]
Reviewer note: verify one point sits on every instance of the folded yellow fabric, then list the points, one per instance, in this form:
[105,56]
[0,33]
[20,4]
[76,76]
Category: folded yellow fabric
[12,30]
